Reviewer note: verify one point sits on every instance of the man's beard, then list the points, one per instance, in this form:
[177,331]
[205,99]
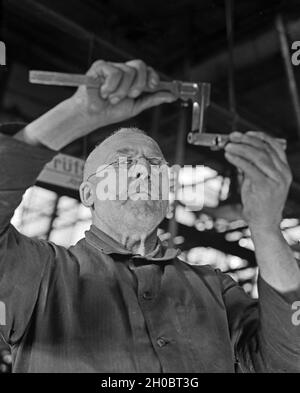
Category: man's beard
[143,214]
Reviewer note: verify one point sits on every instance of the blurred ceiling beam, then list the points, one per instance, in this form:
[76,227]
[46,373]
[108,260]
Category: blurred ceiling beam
[256,49]
[45,14]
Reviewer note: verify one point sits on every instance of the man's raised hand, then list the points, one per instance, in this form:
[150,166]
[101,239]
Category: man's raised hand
[267,177]
[119,98]
[120,95]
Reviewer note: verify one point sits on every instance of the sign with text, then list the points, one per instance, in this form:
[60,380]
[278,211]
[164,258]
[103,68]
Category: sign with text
[2,53]
[64,171]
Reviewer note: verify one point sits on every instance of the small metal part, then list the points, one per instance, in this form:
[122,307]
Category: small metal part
[200,105]
[214,141]
[217,141]
[65,79]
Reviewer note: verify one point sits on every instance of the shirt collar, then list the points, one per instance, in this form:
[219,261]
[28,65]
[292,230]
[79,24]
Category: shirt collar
[104,243]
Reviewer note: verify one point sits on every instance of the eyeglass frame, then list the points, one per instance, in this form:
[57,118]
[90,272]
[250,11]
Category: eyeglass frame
[163,162]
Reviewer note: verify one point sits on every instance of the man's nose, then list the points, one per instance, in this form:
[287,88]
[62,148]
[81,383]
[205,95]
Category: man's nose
[143,168]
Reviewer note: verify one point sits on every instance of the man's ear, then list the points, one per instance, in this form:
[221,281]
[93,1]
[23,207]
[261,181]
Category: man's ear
[86,194]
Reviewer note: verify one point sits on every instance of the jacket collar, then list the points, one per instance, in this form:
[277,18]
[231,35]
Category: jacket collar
[107,245]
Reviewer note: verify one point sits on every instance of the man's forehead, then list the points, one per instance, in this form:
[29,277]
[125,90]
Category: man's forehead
[129,143]
[121,143]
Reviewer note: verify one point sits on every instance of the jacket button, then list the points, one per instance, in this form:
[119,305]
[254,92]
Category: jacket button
[147,295]
[161,342]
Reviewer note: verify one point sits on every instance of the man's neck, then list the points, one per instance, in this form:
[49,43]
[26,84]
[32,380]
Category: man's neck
[137,243]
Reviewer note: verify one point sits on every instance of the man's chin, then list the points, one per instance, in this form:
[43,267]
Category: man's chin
[143,210]
[141,204]
[140,197]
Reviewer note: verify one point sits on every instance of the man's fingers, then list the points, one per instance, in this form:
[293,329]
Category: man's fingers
[255,156]
[259,144]
[140,82]
[154,99]
[249,169]
[152,78]
[277,146]
[112,76]
[271,146]
[130,80]
[128,76]
[118,79]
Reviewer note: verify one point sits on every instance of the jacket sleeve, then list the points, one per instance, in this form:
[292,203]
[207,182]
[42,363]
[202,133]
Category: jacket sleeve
[22,259]
[263,333]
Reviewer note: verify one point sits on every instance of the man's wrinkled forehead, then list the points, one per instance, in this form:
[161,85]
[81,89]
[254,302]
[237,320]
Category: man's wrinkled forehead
[129,143]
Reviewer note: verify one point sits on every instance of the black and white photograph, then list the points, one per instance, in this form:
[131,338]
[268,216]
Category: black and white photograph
[149,189]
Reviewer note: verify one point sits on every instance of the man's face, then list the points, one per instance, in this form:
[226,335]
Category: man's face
[129,178]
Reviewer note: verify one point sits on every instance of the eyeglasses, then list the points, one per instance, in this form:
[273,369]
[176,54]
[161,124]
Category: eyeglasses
[128,162]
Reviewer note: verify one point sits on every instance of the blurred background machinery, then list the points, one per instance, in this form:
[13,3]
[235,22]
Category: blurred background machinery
[242,48]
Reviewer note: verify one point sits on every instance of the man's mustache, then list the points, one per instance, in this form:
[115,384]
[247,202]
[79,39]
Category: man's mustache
[135,186]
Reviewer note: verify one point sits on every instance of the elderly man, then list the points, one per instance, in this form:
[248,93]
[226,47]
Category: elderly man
[118,301]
